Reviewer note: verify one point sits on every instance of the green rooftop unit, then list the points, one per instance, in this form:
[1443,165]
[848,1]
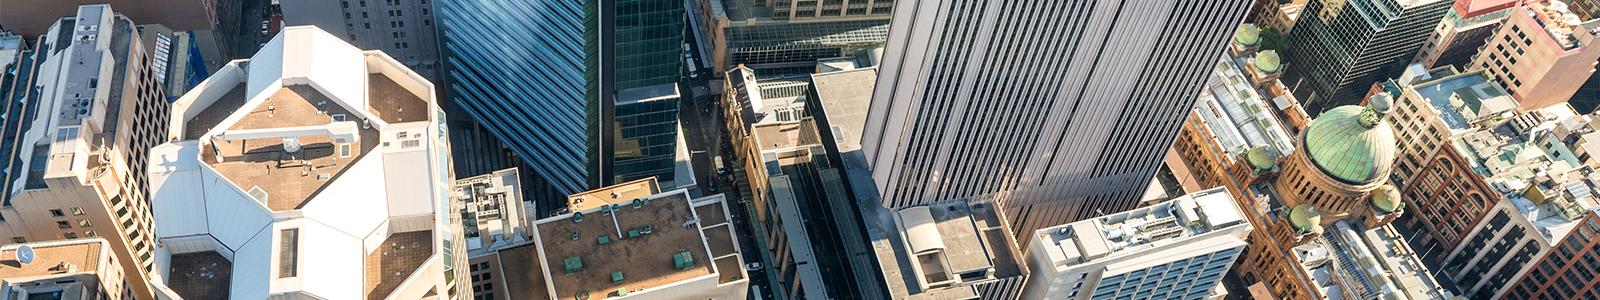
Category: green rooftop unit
[604,239]
[573,264]
[682,260]
[616,277]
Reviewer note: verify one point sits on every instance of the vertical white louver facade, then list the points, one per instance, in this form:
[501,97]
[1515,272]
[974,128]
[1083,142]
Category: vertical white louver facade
[1053,109]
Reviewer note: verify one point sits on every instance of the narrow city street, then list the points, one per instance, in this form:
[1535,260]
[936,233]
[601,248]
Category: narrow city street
[702,124]
[250,37]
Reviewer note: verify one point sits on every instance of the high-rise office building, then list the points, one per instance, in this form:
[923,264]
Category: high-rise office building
[1339,48]
[214,23]
[1056,125]
[90,113]
[1176,249]
[403,29]
[558,108]
[313,169]
[1464,30]
[1542,55]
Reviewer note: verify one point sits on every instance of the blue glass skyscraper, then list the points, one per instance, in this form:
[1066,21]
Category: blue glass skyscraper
[528,70]
[544,76]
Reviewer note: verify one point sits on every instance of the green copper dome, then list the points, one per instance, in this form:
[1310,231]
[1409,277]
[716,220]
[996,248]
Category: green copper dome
[1304,218]
[1387,199]
[1247,35]
[1268,61]
[1352,143]
[1262,157]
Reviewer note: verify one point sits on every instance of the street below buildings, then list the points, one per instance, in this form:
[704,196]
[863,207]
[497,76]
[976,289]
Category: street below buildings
[249,36]
[700,117]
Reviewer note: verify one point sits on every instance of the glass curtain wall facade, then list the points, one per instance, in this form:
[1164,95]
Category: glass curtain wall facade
[649,62]
[526,70]
[1341,47]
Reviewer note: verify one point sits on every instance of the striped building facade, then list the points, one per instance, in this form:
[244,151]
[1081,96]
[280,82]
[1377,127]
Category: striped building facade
[1056,110]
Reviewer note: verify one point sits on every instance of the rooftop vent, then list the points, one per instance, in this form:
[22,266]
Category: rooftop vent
[258,193]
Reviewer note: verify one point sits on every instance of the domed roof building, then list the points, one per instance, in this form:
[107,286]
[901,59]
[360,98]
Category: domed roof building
[1345,154]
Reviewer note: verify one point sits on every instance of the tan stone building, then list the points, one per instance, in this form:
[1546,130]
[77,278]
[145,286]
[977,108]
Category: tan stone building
[98,110]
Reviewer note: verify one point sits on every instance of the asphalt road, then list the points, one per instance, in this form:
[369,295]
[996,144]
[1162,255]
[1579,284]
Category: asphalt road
[250,37]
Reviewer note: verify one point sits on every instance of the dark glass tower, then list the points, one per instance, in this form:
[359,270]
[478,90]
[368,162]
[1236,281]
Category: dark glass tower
[543,76]
[649,60]
[1339,48]
[527,71]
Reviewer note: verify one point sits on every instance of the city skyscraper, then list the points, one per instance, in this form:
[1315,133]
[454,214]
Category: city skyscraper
[1339,48]
[547,79]
[89,111]
[1057,117]
[547,109]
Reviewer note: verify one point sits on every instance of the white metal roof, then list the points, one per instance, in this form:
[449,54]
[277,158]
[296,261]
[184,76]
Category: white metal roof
[337,226]
[922,232]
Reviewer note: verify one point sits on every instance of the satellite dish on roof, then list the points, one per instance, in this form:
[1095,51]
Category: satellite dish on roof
[25,254]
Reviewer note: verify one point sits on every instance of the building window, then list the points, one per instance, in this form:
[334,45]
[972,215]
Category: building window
[76,211]
[63,224]
[18,240]
[288,252]
[84,223]
[90,234]
[70,235]
[57,213]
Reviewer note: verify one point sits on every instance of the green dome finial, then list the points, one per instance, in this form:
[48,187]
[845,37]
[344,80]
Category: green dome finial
[1387,199]
[1262,157]
[1268,61]
[1247,35]
[1304,218]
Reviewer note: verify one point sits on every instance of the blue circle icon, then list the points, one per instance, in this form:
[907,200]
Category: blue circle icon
[25,254]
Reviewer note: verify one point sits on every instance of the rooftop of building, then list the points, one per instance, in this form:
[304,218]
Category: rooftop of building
[1560,25]
[1529,160]
[1461,99]
[1230,99]
[77,123]
[494,204]
[1349,262]
[635,246]
[1468,9]
[935,245]
[845,97]
[621,193]
[61,269]
[55,258]
[1142,229]
[313,150]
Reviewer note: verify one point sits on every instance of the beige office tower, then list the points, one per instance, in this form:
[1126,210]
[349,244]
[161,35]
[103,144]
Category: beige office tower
[79,168]
[1542,54]
[313,170]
